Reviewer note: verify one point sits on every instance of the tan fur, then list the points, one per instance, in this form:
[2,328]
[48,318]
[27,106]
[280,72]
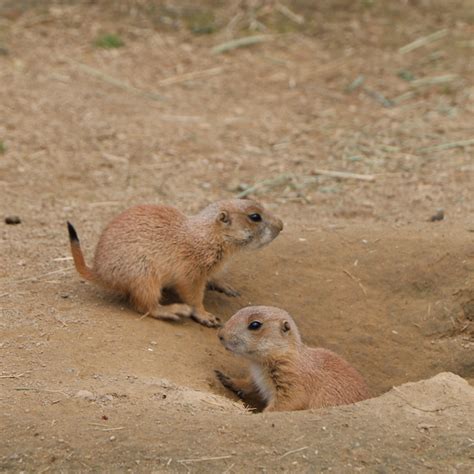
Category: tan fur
[287,374]
[148,248]
[79,261]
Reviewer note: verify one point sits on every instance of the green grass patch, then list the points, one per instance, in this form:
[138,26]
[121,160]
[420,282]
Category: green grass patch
[3,148]
[200,21]
[109,41]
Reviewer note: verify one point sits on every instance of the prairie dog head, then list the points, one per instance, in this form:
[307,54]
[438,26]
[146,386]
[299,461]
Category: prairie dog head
[244,223]
[260,332]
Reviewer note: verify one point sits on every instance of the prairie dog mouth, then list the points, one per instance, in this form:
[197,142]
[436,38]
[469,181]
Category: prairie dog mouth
[232,346]
[228,346]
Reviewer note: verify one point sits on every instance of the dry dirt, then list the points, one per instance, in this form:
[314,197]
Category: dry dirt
[88,385]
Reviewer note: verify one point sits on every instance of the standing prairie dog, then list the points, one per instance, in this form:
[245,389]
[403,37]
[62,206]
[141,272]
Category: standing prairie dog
[149,248]
[285,373]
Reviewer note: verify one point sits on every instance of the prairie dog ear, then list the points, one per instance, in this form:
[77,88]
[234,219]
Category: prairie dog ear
[224,217]
[285,326]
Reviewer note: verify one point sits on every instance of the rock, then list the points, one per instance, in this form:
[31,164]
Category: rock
[85,394]
[12,220]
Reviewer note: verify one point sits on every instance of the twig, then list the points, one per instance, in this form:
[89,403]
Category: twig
[240,43]
[282,178]
[293,451]
[190,76]
[13,376]
[422,41]
[357,280]
[205,459]
[447,146]
[114,81]
[144,316]
[344,175]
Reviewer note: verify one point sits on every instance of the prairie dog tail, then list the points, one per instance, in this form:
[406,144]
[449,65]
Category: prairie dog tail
[79,262]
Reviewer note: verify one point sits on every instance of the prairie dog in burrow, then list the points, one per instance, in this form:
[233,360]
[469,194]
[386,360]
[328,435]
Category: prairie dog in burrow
[149,248]
[284,372]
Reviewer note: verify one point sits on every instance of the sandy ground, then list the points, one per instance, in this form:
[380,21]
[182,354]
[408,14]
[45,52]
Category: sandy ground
[88,385]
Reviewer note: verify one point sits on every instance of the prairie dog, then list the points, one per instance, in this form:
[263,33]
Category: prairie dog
[149,248]
[284,372]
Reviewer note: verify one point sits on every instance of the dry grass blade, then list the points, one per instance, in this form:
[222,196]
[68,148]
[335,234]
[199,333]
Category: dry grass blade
[402,97]
[357,280]
[447,146]
[30,389]
[378,97]
[344,175]
[431,81]
[114,81]
[356,83]
[215,458]
[12,376]
[291,15]
[293,451]
[229,468]
[38,277]
[190,76]
[111,429]
[399,393]
[240,43]
[267,183]
[422,41]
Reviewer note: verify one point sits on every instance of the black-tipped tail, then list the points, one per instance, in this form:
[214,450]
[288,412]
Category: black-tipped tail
[72,233]
[76,251]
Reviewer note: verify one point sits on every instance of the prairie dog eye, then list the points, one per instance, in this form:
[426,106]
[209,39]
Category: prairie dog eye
[254,325]
[255,217]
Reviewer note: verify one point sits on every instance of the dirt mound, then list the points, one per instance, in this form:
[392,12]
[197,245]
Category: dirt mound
[423,426]
[88,373]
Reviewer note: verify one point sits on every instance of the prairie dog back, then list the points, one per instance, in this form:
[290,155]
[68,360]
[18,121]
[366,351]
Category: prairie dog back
[148,248]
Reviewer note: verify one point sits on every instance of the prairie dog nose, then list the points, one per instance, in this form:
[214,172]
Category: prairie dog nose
[279,224]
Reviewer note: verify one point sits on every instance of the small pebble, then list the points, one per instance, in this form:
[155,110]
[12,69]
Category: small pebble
[439,216]
[85,394]
[12,220]
[112,438]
